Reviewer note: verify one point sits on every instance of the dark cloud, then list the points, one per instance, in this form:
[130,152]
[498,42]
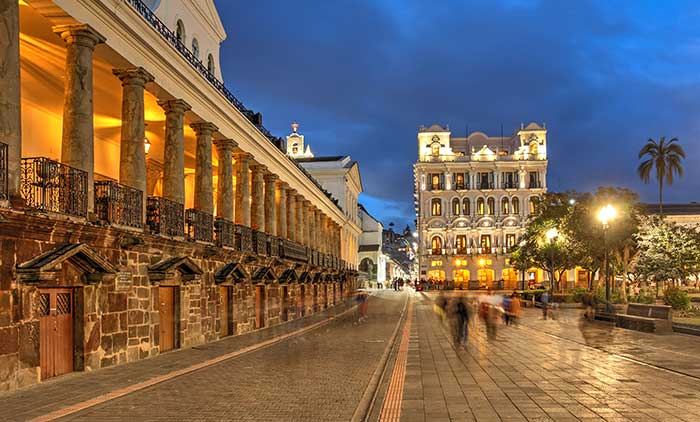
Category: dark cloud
[362,75]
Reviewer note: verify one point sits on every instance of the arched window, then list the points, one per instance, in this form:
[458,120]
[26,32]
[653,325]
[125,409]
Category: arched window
[210,64]
[195,47]
[480,206]
[436,207]
[534,204]
[295,147]
[180,31]
[435,148]
[455,206]
[466,207]
[461,244]
[534,146]
[505,206]
[516,205]
[436,245]
[491,205]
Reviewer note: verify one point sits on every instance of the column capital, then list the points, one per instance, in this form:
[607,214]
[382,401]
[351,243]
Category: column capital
[81,34]
[242,156]
[203,128]
[225,144]
[174,106]
[270,177]
[133,75]
[257,167]
[282,185]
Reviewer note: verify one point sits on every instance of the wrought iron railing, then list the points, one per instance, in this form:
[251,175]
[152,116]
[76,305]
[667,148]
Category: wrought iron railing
[244,238]
[224,233]
[48,185]
[165,217]
[118,204]
[293,250]
[199,226]
[3,172]
[273,246]
[259,242]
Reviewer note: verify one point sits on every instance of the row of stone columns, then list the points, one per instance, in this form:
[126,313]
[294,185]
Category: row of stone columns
[271,206]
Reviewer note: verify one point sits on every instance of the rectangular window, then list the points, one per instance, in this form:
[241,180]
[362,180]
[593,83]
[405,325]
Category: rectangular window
[510,180]
[485,242]
[535,180]
[437,181]
[461,244]
[510,240]
[459,181]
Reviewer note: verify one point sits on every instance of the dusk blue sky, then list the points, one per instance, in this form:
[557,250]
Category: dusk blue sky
[361,76]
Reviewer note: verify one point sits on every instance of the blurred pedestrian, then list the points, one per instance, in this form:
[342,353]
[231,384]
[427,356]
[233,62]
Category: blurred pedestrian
[361,300]
[544,301]
[514,308]
[461,324]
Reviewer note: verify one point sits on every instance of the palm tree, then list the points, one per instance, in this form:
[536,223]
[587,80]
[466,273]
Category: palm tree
[666,158]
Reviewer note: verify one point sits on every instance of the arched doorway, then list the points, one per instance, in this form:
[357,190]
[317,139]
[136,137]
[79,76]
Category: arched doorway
[510,279]
[461,278]
[485,277]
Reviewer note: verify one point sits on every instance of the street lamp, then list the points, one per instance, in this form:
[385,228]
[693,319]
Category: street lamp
[551,235]
[605,215]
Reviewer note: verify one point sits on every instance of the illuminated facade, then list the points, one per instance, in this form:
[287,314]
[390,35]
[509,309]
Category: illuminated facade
[143,207]
[473,196]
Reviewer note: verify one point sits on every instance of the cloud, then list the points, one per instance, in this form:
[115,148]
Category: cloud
[361,77]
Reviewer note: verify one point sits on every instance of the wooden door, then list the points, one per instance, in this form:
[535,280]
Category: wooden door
[284,299]
[166,310]
[226,294]
[56,332]
[259,306]
[302,301]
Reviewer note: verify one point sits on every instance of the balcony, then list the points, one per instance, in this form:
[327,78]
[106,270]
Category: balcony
[118,204]
[3,172]
[165,217]
[535,184]
[293,250]
[259,242]
[484,185]
[224,233]
[200,226]
[47,185]
[509,185]
[244,238]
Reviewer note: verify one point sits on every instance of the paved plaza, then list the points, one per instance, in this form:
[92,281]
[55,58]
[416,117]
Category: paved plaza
[329,367]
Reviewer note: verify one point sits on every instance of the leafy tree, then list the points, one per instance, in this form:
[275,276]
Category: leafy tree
[667,251]
[666,158]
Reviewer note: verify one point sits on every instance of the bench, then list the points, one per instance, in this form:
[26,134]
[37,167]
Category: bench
[646,318]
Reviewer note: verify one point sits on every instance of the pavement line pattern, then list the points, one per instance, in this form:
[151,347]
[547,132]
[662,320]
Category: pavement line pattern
[391,409]
[156,380]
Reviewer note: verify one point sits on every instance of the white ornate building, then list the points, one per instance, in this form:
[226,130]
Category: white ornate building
[473,196]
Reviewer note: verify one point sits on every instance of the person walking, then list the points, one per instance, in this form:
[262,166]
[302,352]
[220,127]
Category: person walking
[514,308]
[462,324]
[544,300]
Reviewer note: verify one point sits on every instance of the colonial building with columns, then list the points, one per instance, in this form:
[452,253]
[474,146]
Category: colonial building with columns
[473,197]
[143,207]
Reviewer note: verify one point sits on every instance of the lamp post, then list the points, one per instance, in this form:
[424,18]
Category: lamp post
[551,235]
[605,215]
[522,245]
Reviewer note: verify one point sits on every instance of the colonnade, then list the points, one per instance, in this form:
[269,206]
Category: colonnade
[262,200]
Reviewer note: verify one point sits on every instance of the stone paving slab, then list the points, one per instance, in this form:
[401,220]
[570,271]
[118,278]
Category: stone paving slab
[77,387]
[320,375]
[526,374]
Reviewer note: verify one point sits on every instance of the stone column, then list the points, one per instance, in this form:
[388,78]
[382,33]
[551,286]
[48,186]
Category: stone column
[132,155]
[299,219]
[174,150]
[242,206]
[77,142]
[305,222]
[224,199]
[312,227]
[10,100]
[270,207]
[319,230]
[324,233]
[203,174]
[281,200]
[291,214]
[257,214]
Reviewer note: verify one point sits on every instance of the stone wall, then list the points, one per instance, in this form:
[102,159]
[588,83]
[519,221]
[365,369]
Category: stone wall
[117,318]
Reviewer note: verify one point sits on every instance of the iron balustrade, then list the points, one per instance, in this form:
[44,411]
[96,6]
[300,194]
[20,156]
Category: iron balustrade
[273,246]
[3,172]
[118,204]
[259,242]
[48,185]
[199,226]
[224,233]
[244,238]
[482,185]
[165,217]
[293,250]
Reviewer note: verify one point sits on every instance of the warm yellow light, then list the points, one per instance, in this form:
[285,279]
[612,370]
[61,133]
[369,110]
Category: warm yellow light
[551,234]
[146,145]
[23,3]
[482,262]
[606,214]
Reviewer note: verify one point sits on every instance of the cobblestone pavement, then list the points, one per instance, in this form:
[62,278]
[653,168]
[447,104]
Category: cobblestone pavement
[317,375]
[544,370]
